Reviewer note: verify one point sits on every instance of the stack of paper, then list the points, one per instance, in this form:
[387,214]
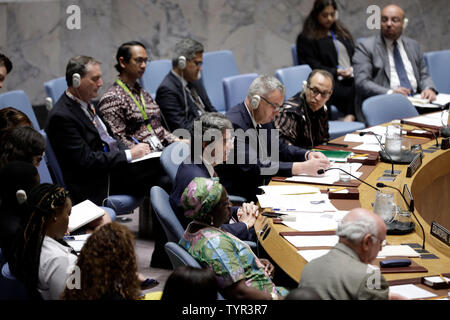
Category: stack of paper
[398,251]
[296,203]
[289,190]
[310,255]
[77,242]
[330,177]
[432,119]
[312,241]
[411,291]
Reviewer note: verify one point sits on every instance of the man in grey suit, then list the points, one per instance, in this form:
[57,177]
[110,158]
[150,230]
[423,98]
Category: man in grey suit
[344,272]
[391,63]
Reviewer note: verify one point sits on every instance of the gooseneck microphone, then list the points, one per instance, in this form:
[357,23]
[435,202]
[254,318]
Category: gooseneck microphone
[425,129]
[411,209]
[381,146]
[322,171]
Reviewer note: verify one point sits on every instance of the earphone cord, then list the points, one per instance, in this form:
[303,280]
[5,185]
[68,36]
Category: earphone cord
[184,95]
[305,107]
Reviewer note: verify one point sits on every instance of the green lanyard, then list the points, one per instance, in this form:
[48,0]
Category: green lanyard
[140,107]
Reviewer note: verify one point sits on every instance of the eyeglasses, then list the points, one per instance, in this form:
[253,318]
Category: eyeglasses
[273,105]
[141,60]
[315,91]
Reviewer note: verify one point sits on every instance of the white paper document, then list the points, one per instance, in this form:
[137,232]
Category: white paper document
[368,147]
[83,213]
[411,291]
[310,255]
[312,241]
[151,155]
[330,177]
[398,251]
[297,203]
[432,119]
[306,222]
[289,190]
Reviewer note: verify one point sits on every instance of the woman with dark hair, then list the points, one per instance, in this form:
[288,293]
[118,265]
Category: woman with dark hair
[325,43]
[22,144]
[40,259]
[108,266]
[191,284]
[11,118]
[240,274]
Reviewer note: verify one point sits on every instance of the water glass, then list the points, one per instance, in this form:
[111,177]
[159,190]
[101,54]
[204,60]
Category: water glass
[393,142]
[384,205]
[344,177]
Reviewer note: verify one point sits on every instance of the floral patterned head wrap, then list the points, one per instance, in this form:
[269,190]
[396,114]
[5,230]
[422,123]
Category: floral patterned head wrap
[200,196]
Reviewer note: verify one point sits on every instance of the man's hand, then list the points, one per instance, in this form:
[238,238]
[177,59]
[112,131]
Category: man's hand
[403,91]
[310,167]
[139,150]
[428,94]
[248,214]
[268,267]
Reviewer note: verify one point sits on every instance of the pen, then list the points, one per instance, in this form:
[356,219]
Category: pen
[359,155]
[279,209]
[336,189]
[135,140]
[297,194]
[443,278]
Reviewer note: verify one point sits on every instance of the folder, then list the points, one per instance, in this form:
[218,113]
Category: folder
[84,213]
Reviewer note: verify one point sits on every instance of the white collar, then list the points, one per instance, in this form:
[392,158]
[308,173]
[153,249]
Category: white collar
[183,81]
[255,125]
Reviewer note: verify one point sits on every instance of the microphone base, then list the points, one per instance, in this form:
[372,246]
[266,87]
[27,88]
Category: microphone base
[399,228]
[445,132]
[405,157]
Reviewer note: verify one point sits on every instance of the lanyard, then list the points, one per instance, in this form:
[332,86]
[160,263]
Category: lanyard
[333,35]
[140,107]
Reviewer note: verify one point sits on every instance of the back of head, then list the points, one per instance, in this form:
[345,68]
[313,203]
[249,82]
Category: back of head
[11,118]
[191,284]
[124,51]
[187,48]
[21,143]
[356,224]
[78,64]
[264,85]
[107,265]
[5,62]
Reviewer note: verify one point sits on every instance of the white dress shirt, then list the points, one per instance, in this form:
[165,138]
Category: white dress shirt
[55,265]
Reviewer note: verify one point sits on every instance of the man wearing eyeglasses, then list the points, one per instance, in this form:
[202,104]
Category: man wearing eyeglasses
[390,62]
[259,154]
[129,110]
[303,119]
[181,95]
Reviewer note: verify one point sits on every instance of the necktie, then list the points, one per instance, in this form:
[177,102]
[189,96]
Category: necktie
[400,67]
[106,138]
[196,98]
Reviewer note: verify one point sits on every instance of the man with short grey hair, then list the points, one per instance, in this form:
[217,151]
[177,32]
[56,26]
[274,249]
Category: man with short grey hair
[181,95]
[344,273]
[259,153]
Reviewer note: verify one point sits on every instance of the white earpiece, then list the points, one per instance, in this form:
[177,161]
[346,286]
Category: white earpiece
[76,80]
[181,62]
[255,102]
[21,196]
[305,83]
[405,23]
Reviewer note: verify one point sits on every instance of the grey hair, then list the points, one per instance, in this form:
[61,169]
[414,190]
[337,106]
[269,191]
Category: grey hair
[264,85]
[187,48]
[355,230]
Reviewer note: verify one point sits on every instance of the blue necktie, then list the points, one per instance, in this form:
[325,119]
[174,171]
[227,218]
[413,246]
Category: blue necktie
[401,71]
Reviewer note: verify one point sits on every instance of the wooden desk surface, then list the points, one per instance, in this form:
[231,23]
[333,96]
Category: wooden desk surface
[430,187]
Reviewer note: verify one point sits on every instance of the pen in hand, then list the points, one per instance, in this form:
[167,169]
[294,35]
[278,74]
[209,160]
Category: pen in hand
[135,140]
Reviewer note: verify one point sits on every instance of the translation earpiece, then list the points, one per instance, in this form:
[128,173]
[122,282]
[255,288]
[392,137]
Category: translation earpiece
[405,23]
[181,62]
[305,83]
[21,196]
[255,102]
[76,80]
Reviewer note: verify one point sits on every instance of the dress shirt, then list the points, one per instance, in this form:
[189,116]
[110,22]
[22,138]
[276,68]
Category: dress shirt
[395,81]
[55,265]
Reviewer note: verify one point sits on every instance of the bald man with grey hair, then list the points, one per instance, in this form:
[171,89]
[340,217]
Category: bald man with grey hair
[345,273]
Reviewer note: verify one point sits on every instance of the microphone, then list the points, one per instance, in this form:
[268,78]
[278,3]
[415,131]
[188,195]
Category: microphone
[382,147]
[425,129]
[322,171]
[382,185]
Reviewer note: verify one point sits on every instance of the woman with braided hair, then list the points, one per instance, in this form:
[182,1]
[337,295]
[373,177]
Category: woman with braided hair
[41,260]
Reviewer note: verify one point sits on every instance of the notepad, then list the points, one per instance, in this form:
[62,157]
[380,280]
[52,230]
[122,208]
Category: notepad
[83,213]
[411,291]
[336,155]
[312,241]
[398,251]
[151,155]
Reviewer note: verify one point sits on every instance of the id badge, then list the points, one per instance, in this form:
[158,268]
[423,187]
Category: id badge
[156,143]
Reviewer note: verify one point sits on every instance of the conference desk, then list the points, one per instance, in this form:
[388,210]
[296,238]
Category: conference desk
[430,187]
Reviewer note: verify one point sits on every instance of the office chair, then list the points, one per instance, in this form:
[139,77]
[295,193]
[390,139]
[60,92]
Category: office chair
[172,156]
[216,66]
[438,63]
[154,74]
[10,287]
[235,88]
[18,99]
[387,107]
[54,90]
[292,78]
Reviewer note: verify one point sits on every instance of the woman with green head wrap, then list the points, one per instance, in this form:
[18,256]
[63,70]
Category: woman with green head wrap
[241,275]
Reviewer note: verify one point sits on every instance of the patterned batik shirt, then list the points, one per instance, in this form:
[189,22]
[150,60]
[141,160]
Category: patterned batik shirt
[229,258]
[294,123]
[126,120]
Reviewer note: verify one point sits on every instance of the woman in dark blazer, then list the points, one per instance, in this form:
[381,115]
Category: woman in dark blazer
[325,43]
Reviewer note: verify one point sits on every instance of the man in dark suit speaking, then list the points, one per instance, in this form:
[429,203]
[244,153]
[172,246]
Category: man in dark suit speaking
[258,152]
[93,161]
[391,63]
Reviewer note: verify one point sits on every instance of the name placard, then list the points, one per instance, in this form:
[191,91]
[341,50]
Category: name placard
[414,165]
[440,232]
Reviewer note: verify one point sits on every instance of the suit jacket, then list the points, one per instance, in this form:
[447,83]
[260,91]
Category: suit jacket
[372,68]
[170,99]
[185,174]
[250,168]
[340,275]
[321,53]
[80,151]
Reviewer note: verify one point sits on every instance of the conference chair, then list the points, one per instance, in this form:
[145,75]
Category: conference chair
[216,66]
[438,63]
[172,156]
[292,78]
[154,74]
[54,90]
[10,287]
[18,99]
[387,107]
[235,88]
[294,54]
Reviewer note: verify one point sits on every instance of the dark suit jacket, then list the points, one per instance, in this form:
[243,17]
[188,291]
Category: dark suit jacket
[244,177]
[80,151]
[170,100]
[321,53]
[372,68]
[185,174]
